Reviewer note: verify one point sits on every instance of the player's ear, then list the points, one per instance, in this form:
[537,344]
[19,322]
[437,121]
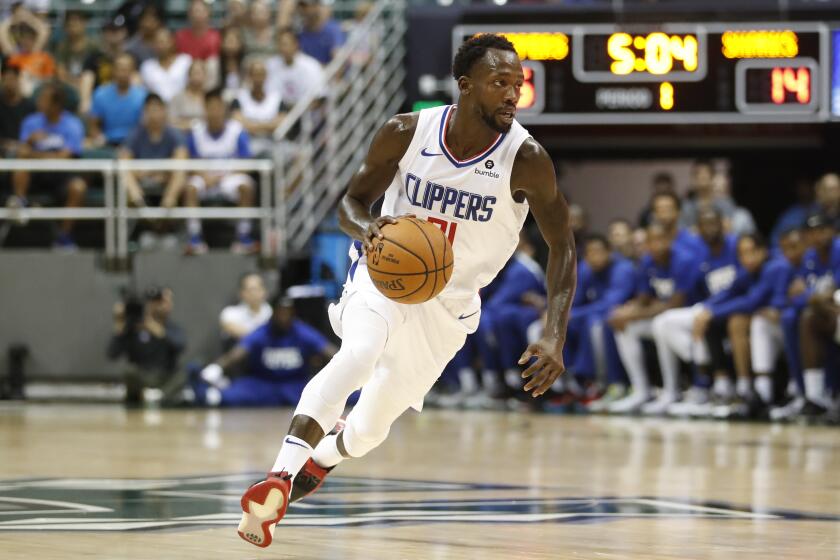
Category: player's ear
[464,85]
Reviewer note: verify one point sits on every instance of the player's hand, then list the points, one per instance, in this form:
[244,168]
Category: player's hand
[547,367]
[373,233]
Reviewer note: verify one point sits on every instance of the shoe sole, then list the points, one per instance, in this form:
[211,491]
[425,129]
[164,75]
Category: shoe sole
[263,506]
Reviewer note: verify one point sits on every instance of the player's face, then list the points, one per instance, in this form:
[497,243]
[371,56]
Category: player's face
[820,237]
[828,190]
[751,256]
[216,113]
[665,211]
[282,317]
[253,290]
[711,227]
[597,255]
[496,81]
[701,178]
[619,234]
[123,69]
[793,247]
[154,115]
[163,43]
[658,243]
[258,74]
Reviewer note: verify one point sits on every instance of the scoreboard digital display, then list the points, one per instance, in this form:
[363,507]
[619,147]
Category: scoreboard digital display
[670,73]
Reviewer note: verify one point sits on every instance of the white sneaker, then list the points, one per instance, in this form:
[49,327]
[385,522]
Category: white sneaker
[614,392]
[788,411]
[660,405]
[629,404]
[692,403]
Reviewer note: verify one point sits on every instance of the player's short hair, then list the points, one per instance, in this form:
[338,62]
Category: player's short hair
[597,238]
[670,195]
[663,177]
[624,221]
[153,98]
[474,49]
[788,231]
[281,300]
[215,93]
[55,92]
[711,210]
[757,239]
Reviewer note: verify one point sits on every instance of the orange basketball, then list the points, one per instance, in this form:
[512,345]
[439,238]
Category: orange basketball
[413,263]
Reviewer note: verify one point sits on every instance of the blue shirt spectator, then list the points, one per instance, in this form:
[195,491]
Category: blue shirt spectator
[522,275]
[66,133]
[118,111]
[320,36]
[277,354]
[117,106]
[598,292]
[717,271]
[663,281]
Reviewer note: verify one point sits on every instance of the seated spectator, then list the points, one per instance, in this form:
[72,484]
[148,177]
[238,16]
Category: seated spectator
[828,199]
[279,356]
[10,38]
[187,107]
[321,36]
[259,111]
[251,312]
[198,40]
[795,215]
[23,37]
[51,133]
[714,270]
[292,73]
[142,45]
[236,14]
[166,74]
[117,106]
[639,244]
[14,107]
[73,51]
[620,237]
[769,323]
[701,195]
[219,138]
[154,139]
[231,71]
[666,213]
[666,280]
[741,220]
[99,66]
[152,343]
[259,36]
[605,281]
[662,183]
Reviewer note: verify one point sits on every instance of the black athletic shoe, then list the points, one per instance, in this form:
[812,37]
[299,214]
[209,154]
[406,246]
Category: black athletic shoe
[812,410]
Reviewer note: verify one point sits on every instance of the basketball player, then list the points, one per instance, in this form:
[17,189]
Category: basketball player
[475,171]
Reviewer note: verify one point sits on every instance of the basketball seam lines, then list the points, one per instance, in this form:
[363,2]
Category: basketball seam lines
[431,248]
[415,255]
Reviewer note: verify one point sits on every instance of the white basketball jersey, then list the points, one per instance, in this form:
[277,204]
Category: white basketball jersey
[469,200]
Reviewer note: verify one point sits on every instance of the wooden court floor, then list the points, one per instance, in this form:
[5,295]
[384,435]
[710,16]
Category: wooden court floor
[102,482]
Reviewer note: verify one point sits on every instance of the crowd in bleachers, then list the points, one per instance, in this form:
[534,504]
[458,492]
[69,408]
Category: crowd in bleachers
[691,313]
[138,88]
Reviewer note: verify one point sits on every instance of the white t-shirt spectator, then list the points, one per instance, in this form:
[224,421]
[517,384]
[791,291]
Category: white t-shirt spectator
[259,111]
[295,80]
[166,82]
[244,318]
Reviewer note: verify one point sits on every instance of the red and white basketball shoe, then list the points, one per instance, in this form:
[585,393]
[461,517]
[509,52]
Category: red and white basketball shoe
[263,506]
[312,475]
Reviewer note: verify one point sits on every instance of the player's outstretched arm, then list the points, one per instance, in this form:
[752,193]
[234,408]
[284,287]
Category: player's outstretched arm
[371,181]
[533,177]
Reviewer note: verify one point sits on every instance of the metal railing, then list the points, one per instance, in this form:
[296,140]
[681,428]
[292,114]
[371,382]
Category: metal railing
[115,213]
[336,126]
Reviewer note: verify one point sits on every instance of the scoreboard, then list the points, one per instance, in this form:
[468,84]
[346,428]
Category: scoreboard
[670,73]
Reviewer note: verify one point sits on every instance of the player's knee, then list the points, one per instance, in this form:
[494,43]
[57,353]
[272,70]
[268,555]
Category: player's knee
[362,436]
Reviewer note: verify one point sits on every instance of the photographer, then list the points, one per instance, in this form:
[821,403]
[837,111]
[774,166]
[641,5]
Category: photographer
[151,343]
